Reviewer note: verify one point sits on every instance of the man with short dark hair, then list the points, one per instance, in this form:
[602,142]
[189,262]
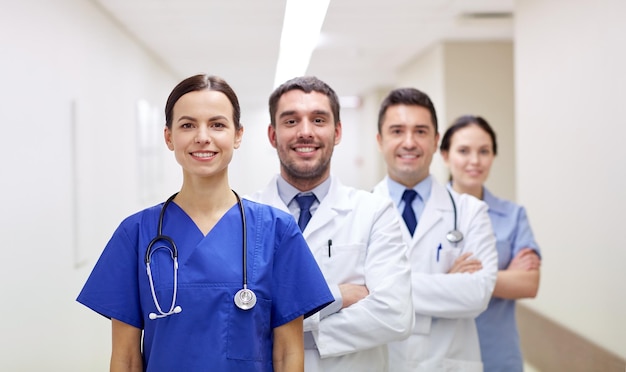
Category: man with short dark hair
[354,235]
[451,243]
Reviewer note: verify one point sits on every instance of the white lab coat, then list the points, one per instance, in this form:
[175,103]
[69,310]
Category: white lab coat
[367,248]
[444,336]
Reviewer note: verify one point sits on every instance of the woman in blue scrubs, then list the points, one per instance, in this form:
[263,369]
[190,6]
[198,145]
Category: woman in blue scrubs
[186,319]
[468,148]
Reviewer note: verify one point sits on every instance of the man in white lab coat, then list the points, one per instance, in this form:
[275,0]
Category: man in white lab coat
[452,282]
[355,236]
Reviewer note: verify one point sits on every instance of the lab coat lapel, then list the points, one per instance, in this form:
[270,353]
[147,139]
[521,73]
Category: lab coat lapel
[437,204]
[333,204]
[382,188]
[269,195]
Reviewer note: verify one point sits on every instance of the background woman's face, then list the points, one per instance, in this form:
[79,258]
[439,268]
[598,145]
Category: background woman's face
[470,156]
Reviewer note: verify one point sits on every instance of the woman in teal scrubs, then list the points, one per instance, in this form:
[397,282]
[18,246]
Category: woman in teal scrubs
[468,148]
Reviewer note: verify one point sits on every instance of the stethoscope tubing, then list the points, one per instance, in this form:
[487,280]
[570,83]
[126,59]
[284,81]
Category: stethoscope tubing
[244,298]
[454,236]
[160,236]
[244,260]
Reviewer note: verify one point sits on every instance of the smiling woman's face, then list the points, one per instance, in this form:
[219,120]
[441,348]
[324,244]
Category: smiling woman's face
[203,135]
[470,157]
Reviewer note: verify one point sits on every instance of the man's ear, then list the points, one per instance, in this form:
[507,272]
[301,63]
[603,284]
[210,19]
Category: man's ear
[271,135]
[338,132]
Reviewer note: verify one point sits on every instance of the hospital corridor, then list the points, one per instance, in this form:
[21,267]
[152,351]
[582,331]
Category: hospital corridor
[84,84]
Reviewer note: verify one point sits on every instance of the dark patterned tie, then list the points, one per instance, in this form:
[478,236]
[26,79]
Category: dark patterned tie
[305,202]
[409,213]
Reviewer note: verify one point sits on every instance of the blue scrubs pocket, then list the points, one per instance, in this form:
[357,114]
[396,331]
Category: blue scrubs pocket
[249,334]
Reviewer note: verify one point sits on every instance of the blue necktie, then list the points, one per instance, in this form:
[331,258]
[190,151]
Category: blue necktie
[305,202]
[409,213]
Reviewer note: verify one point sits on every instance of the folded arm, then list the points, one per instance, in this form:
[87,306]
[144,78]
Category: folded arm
[521,278]
[465,291]
[381,305]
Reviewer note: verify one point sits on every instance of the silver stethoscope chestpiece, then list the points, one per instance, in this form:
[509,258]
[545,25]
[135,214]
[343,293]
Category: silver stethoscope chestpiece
[454,236]
[245,299]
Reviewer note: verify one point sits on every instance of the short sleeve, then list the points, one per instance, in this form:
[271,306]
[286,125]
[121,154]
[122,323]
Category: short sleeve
[299,286]
[524,237]
[112,289]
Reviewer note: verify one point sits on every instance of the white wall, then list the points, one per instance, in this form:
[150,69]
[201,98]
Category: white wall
[479,81]
[374,166]
[63,64]
[427,73]
[570,89]
[470,78]
[354,161]
[255,162]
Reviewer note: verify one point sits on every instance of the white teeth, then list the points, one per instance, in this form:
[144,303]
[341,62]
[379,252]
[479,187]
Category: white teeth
[305,149]
[408,156]
[203,154]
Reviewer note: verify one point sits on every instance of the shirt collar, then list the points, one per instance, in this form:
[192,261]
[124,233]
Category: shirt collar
[493,202]
[287,192]
[423,189]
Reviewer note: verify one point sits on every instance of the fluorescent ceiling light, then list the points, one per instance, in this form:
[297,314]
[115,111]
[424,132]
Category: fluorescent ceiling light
[301,29]
[350,102]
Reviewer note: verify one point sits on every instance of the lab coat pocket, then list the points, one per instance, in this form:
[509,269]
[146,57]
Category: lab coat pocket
[446,257]
[249,332]
[345,263]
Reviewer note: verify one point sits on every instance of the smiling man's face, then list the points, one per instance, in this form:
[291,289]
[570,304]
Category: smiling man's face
[304,137]
[408,140]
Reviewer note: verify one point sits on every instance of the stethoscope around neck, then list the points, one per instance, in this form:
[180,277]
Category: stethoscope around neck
[245,298]
[454,236]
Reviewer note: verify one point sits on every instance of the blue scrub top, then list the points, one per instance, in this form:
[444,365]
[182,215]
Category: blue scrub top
[497,328]
[211,332]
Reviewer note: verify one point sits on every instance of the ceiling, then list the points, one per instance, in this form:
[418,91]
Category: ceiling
[362,42]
